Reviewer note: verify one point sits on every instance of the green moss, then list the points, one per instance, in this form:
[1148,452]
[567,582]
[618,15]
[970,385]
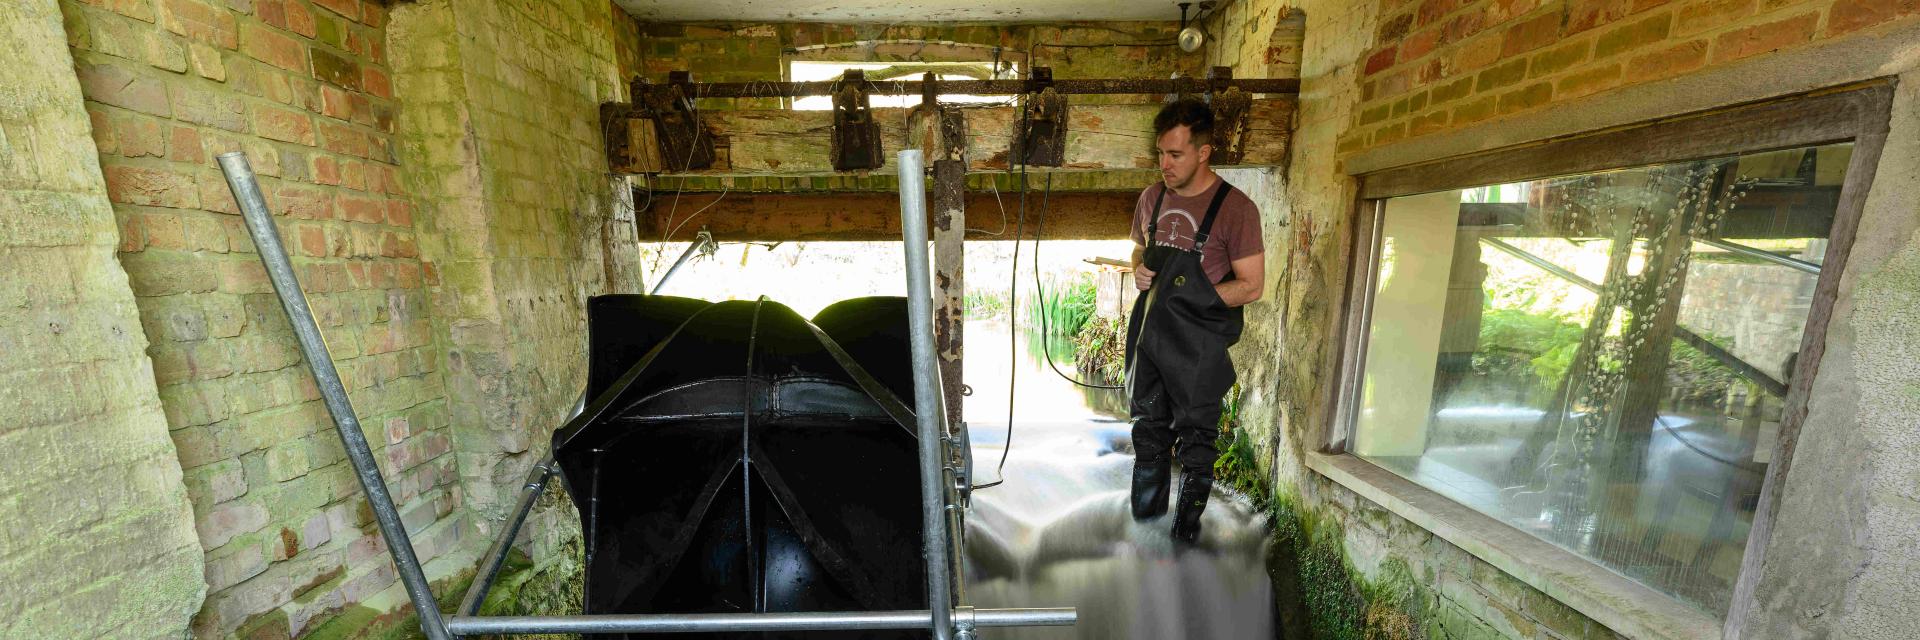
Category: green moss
[1320,594]
[360,622]
[555,587]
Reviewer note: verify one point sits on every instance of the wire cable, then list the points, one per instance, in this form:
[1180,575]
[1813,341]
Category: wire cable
[1046,333]
[1013,322]
[995,186]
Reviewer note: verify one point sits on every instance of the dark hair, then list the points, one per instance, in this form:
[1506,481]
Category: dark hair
[1190,112]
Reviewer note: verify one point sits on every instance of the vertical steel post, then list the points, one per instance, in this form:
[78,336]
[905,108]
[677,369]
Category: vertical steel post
[253,207]
[926,391]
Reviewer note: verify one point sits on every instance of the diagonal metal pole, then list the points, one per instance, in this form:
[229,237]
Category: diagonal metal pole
[253,207]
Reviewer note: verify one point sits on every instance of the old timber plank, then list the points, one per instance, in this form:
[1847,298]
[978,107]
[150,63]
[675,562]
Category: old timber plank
[1118,136]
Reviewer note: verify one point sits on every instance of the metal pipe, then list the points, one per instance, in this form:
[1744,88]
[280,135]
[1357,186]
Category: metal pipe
[253,208]
[715,622]
[496,555]
[1726,358]
[991,87]
[1769,256]
[926,391]
[699,240]
[1542,263]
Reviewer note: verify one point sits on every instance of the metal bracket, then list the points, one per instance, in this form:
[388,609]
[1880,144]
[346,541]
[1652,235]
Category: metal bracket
[1231,108]
[938,130]
[632,140]
[684,141]
[856,137]
[1040,137]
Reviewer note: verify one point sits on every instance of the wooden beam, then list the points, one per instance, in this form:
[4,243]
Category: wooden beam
[949,215]
[764,217]
[1116,136]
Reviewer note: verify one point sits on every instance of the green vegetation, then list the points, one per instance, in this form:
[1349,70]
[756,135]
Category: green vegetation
[1100,350]
[986,305]
[1237,465]
[1536,346]
[1067,306]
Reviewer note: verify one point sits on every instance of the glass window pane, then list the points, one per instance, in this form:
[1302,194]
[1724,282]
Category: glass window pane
[1602,359]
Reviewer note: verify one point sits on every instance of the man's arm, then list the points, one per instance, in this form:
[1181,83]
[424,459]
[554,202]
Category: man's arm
[1249,279]
[1142,276]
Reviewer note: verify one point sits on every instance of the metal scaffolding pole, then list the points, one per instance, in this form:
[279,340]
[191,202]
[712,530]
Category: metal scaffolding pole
[942,617]
[700,241]
[712,622]
[490,562]
[926,391]
[253,208]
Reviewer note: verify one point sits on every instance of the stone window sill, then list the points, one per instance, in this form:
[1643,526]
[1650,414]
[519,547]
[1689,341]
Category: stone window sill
[1627,607]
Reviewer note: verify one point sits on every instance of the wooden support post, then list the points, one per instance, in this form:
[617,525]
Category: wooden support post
[949,266]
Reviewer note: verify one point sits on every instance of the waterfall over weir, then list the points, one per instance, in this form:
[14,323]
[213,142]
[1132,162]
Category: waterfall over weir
[1059,532]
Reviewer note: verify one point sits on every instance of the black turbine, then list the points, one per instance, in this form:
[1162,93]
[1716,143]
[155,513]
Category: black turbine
[737,458]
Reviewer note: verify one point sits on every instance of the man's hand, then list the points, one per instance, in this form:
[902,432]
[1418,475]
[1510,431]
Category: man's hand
[1142,276]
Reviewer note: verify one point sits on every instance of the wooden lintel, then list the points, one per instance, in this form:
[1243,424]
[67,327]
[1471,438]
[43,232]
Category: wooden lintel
[1118,136]
[764,217]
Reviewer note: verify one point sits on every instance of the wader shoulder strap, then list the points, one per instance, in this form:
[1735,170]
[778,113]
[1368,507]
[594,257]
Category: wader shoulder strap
[1213,210]
[1153,219]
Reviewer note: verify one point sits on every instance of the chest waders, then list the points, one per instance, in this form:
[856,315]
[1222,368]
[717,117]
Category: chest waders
[1177,371]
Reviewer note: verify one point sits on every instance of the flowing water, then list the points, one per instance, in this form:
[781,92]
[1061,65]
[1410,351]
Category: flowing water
[1059,532]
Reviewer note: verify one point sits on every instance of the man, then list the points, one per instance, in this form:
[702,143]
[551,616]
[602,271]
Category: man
[1198,259]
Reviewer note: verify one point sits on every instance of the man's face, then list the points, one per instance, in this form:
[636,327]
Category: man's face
[1180,159]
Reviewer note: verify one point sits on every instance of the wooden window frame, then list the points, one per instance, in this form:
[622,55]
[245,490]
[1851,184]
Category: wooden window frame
[1856,113]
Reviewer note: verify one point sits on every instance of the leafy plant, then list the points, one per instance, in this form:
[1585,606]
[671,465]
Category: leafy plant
[1545,342]
[1237,465]
[1099,350]
[1067,306]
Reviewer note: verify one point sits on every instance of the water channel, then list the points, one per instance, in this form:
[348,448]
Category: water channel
[1058,531]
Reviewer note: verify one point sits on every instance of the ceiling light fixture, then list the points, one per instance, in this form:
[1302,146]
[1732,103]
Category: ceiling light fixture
[1191,37]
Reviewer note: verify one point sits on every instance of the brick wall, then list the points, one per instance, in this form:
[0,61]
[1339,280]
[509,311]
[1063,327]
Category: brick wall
[303,87]
[1256,39]
[1437,65]
[97,539]
[1442,591]
[521,223]
[1376,73]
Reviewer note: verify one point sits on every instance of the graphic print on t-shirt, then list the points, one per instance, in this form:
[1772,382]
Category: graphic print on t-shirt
[1177,227]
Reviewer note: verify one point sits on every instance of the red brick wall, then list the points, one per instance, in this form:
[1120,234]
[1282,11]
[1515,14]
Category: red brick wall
[1443,64]
[304,88]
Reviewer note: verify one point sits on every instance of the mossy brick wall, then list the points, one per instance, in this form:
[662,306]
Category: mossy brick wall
[1427,583]
[1436,65]
[1376,73]
[1370,573]
[521,220]
[97,536]
[304,88]
[739,52]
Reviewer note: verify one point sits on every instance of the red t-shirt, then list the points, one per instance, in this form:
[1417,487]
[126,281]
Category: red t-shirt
[1235,233]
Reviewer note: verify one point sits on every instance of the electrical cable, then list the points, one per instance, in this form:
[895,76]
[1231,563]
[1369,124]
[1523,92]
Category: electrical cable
[723,195]
[1046,333]
[1013,323]
[995,186]
[1703,452]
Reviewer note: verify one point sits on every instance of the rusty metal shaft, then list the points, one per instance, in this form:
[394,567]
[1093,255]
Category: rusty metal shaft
[993,87]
